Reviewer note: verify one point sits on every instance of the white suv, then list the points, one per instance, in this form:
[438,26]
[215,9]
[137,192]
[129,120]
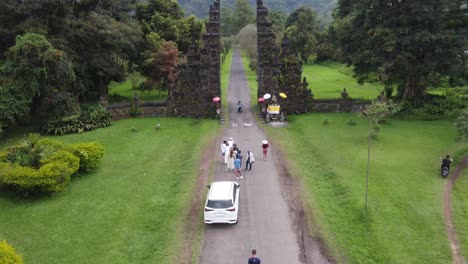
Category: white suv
[222,203]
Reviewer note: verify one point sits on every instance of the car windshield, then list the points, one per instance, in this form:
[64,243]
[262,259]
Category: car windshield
[217,204]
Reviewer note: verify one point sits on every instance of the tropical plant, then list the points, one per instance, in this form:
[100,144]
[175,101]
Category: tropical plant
[8,254]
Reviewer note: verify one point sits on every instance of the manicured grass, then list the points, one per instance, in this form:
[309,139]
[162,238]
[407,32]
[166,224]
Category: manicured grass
[251,77]
[130,210]
[404,222]
[225,76]
[460,210]
[328,80]
[124,91]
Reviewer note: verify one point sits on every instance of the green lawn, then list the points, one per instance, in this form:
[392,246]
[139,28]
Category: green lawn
[328,80]
[460,210]
[404,223]
[128,211]
[123,91]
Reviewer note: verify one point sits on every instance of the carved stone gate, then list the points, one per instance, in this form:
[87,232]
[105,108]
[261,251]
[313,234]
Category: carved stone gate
[198,79]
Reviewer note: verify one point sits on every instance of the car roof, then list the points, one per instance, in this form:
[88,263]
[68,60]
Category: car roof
[221,190]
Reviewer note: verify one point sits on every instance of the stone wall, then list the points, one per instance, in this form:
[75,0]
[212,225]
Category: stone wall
[338,105]
[122,110]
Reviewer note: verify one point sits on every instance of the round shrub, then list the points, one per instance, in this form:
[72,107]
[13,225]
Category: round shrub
[8,254]
[38,165]
[90,154]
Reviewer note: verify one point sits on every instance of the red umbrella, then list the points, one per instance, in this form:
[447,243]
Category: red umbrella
[216,99]
[261,100]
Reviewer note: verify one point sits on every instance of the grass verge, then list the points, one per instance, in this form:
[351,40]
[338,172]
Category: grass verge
[225,77]
[404,222]
[460,210]
[251,77]
[130,210]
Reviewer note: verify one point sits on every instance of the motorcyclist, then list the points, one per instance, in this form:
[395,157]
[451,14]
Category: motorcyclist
[239,107]
[446,162]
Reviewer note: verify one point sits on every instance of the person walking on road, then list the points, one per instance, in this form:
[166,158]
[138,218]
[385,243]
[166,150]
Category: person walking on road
[249,161]
[223,148]
[231,142]
[254,259]
[237,168]
[230,164]
[226,153]
[265,147]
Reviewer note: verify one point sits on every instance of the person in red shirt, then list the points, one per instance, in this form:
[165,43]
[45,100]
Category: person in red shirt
[265,147]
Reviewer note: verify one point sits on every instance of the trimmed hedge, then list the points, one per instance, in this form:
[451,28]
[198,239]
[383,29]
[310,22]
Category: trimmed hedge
[46,165]
[8,254]
[90,155]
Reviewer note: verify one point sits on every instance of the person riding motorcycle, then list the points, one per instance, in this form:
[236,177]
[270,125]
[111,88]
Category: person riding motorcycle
[239,107]
[445,164]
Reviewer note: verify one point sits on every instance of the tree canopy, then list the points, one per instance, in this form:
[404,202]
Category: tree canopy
[410,44]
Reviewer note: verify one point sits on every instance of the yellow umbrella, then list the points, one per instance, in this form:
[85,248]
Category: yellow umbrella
[283,95]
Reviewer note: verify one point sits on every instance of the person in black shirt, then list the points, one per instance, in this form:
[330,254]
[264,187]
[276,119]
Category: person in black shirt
[254,259]
[446,162]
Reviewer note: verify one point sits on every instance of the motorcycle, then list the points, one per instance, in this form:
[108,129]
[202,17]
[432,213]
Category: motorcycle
[444,172]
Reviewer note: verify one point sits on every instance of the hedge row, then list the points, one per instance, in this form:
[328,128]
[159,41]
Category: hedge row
[46,165]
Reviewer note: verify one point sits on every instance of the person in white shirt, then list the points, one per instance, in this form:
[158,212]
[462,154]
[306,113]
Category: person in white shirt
[250,160]
[226,154]
[223,148]
[231,142]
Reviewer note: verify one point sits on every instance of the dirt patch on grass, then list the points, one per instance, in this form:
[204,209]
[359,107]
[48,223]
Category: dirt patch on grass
[192,225]
[451,233]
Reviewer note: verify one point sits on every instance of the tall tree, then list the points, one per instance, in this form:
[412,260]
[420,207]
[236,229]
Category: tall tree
[227,22]
[166,18]
[33,69]
[243,15]
[408,43]
[98,35]
[302,26]
[160,62]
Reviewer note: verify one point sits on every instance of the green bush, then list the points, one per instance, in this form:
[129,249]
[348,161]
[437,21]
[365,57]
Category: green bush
[50,178]
[92,118]
[46,165]
[90,155]
[8,254]
[134,110]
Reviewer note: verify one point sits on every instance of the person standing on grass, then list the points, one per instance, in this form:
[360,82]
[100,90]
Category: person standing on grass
[249,161]
[265,147]
[223,148]
[230,164]
[237,168]
[254,259]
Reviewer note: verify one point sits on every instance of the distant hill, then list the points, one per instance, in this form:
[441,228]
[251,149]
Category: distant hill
[200,8]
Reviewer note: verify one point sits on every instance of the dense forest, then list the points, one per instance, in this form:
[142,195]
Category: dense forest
[323,7]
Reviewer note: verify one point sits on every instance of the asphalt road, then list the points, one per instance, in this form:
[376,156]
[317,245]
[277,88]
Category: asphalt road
[264,222]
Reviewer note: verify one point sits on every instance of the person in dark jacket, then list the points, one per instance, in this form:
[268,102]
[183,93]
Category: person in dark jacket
[254,259]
